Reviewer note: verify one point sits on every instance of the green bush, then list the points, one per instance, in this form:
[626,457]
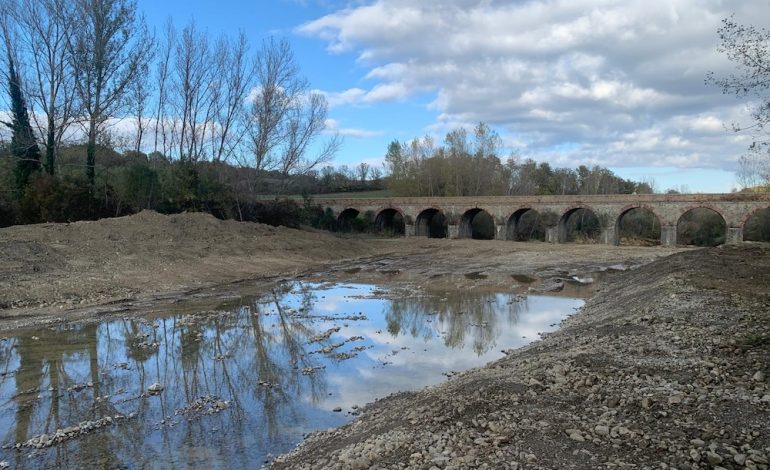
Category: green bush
[50,199]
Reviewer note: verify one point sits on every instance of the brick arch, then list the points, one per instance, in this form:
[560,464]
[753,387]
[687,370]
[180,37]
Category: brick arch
[385,208]
[692,207]
[628,208]
[466,221]
[682,211]
[351,212]
[572,208]
[514,219]
[566,213]
[750,213]
[431,221]
[345,218]
[385,220]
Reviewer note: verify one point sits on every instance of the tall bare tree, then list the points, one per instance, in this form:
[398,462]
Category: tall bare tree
[108,46]
[43,30]
[284,118]
[162,72]
[305,122]
[277,85]
[192,73]
[229,88]
[139,92]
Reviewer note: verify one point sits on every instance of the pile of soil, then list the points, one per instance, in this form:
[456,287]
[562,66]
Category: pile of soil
[667,367]
[49,267]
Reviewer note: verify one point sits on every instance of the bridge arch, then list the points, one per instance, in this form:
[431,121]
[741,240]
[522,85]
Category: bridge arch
[477,224]
[345,219]
[431,223]
[390,221]
[756,225]
[640,222]
[701,225]
[579,222]
[525,224]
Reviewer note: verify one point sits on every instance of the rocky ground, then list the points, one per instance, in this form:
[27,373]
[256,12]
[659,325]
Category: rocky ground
[667,367]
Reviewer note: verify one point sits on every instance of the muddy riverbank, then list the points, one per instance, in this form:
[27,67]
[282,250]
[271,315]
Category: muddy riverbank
[667,367]
[88,269]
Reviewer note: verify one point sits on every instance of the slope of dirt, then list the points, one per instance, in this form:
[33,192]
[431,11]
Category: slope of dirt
[667,367]
[62,265]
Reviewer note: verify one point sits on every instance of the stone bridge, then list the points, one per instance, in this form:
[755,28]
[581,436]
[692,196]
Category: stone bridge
[452,217]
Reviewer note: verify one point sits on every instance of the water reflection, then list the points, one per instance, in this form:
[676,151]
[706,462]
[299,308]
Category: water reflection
[244,381]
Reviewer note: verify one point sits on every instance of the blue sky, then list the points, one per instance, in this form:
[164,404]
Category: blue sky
[614,83]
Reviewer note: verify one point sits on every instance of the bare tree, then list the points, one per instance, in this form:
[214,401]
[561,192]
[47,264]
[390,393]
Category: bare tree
[284,119]
[44,26]
[108,46]
[363,171]
[139,91]
[162,71]
[749,48]
[304,123]
[192,94]
[229,93]
[277,85]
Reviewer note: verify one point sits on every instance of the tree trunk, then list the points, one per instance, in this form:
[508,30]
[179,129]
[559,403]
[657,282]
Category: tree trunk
[91,155]
[50,146]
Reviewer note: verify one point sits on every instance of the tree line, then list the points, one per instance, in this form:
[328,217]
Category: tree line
[471,163]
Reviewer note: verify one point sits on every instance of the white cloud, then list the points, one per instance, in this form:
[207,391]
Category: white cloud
[614,82]
[333,127]
[393,91]
[350,96]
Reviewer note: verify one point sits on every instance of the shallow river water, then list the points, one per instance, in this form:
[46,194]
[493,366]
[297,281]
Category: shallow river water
[229,388]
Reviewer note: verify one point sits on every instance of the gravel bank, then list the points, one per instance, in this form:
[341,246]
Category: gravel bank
[667,367]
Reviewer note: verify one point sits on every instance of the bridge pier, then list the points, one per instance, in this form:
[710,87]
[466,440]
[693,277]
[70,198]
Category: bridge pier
[500,232]
[453,231]
[552,234]
[668,235]
[734,236]
[609,235]
[409,230]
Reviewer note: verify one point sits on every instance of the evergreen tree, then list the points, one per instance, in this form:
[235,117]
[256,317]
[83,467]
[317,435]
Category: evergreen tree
[23,144]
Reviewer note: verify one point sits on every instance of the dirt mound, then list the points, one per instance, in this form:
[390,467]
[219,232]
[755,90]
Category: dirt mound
[93,262]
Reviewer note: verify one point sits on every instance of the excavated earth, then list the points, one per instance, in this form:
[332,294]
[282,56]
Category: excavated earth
[667,367]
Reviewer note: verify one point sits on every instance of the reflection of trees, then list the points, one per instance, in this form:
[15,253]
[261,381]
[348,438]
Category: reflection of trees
[280,356]
[50,364]
[247,356]
[462,315]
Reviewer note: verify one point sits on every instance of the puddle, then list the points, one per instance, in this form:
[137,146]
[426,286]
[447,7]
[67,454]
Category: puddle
[523,278]
[476,275]
[228,389]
